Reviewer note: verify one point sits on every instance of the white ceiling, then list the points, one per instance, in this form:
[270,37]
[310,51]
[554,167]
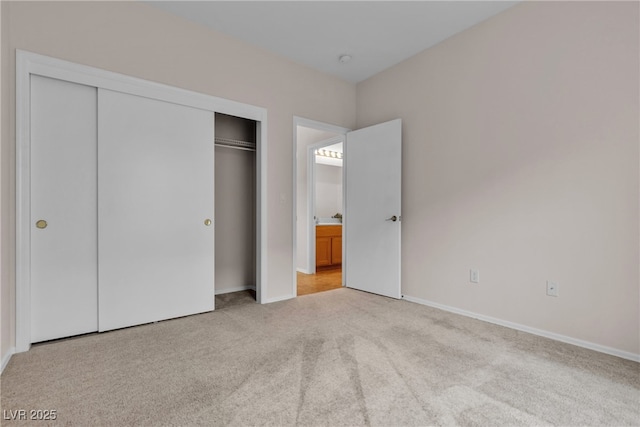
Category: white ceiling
[377,34]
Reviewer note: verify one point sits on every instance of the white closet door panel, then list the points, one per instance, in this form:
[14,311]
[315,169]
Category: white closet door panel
[155,173]
[63,193]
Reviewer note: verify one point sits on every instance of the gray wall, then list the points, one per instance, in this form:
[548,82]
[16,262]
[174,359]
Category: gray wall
[521,160]
[520,157]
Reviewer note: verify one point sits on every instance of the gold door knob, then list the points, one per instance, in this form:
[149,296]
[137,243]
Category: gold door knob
[41,223]
[207,222]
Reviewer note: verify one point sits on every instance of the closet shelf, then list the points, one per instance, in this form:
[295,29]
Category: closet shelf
[235,143]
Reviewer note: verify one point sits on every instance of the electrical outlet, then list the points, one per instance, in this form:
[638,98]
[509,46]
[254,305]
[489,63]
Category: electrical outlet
[552,288]
[474,276]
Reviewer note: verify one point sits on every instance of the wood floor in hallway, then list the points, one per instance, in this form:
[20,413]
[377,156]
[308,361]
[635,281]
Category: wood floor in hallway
[321,281]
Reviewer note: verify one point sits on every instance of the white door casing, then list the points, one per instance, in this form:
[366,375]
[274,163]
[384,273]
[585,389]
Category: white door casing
[156,187]
[373,185]
[64,269]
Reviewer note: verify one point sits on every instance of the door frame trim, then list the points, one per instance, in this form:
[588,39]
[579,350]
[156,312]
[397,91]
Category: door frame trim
[313,124]
[28,63]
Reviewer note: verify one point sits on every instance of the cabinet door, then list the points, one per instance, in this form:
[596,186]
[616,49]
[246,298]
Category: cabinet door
[336,250]
[155,174]
[323,251]
[64,270]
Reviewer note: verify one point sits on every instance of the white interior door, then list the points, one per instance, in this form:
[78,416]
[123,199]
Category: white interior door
[63,218]
[373,170]
[155,172]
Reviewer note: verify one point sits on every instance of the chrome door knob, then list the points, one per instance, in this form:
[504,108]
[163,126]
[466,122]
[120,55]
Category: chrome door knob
[393,218]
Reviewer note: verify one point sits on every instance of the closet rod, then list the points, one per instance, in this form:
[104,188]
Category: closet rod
[235,143]
[235,148]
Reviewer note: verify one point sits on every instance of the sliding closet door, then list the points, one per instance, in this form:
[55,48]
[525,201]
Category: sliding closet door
[63,220]
[155,207]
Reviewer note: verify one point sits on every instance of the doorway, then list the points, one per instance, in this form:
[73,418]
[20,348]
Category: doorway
[372,176]
[326,206]
[318,190]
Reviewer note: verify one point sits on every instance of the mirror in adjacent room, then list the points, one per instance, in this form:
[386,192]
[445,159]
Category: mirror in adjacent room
[328,185]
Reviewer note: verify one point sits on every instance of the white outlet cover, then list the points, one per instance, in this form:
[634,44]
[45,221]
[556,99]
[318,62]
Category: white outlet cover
[474,276]
[552,288]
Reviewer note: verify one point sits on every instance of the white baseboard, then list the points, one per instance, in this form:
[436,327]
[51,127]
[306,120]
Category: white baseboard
[235,289]
[552,335]
[286,297]
[304,271]
[6,358]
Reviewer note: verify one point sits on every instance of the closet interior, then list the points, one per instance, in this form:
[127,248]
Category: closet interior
[235,204]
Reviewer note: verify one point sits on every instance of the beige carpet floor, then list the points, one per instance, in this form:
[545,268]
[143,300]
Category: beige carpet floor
[339,357]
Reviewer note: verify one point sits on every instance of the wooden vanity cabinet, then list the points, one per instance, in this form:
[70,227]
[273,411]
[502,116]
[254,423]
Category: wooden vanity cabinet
[328,245]
[323,251]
